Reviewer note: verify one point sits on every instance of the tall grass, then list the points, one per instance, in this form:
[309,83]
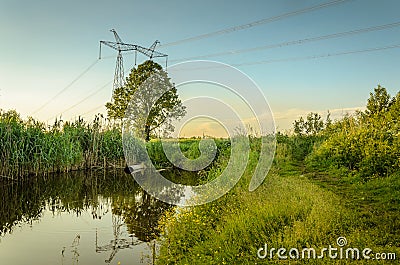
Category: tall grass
[341,179]
[29,147]
[189,148]
[289,210]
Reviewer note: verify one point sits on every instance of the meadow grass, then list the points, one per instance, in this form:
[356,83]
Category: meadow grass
[289,210]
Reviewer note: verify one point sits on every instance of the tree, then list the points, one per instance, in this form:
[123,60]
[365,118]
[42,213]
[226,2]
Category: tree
[378,101]
[312,126]
[122,95]
[152,98]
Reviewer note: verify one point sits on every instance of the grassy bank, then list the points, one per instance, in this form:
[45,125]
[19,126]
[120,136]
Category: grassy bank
[329,179]
[289,210]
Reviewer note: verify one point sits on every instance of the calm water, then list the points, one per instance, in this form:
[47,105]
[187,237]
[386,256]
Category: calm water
[80,218]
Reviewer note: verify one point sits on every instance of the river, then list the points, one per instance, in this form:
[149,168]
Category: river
[87,218]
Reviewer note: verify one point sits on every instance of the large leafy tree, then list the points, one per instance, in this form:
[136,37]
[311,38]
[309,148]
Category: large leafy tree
[167,105]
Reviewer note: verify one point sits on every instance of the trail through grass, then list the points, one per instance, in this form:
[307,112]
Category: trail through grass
[289,210]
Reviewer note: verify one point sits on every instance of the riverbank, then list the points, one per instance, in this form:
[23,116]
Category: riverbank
[333,184]
[292,209]
[32,148]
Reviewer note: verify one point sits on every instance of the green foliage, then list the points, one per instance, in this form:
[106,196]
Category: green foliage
[189,148]
[298,146]
[30,147]
[366,143]
[152,80]
[157,155]
[122,95]
[289,210]
[283,212]
[307,132]
[311,126]
[378,101]
[116,109]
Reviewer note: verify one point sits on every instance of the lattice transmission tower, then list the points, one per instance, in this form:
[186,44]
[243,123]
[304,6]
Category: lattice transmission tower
[120,46]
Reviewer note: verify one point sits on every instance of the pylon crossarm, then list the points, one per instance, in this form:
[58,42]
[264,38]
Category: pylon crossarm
[120,46]
[150,53]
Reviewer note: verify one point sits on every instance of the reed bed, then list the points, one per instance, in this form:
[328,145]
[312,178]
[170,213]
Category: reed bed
[30,147]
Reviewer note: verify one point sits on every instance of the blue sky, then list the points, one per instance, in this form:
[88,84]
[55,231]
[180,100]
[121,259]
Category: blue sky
[46,44]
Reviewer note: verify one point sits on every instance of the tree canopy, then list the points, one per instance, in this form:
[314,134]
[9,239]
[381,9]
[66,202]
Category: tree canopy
[312,126]
[167,105]
[378,101]
[366,142]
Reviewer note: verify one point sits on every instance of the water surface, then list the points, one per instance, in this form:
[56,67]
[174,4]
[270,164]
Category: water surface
[80,218]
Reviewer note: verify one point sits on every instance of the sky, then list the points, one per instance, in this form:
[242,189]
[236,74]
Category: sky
[46,46]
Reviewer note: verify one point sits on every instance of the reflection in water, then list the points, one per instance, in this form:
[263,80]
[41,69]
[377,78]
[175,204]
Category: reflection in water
[117,243]
[86,217]
[74,246]
[141,215]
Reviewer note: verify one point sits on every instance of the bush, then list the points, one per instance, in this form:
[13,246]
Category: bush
[367,143]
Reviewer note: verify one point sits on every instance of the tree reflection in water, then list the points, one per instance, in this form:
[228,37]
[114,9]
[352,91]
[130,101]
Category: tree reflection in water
[131,207]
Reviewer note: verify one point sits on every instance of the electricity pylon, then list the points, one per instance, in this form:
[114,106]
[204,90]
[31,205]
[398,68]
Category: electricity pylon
[117,243]
[120,46]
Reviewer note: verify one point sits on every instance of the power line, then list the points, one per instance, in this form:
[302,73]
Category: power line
[96,108]
[291,59]
[224,31]
[294,42]
[83,100]
[270,46]
[86,98]
[394,46]
[244,26]
[68,86]
[310,57]
[237,28]
[211,34]
[255,23]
